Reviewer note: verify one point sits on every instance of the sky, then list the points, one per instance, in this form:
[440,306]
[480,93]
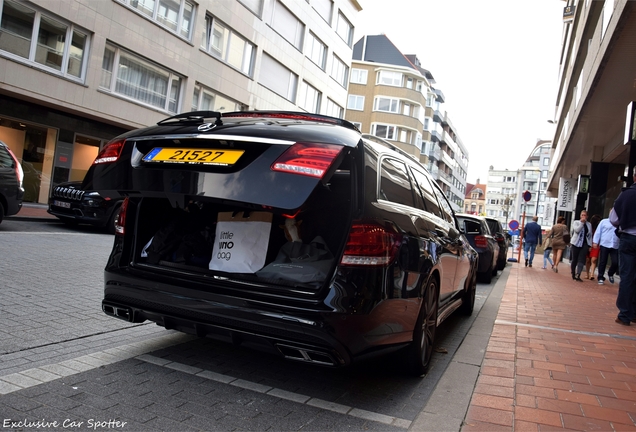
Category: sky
[495,61]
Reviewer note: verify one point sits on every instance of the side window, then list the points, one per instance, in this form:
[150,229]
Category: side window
[395,185]
[446,208]
[430,202]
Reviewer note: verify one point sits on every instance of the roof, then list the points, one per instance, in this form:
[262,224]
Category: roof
[379,49]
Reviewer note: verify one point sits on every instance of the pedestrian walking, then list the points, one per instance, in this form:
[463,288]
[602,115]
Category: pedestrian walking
[623,215]
[592,253]
[581,242]
[607,242]
[532,237]
[558,235]
[547,249]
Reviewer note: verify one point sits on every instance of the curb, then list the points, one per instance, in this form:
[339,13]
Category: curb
[447,407]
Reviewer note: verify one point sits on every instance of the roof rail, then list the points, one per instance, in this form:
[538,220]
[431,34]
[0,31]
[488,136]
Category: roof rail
[391,146]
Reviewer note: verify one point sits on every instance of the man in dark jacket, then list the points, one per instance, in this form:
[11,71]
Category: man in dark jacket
[532,237]
[623,215]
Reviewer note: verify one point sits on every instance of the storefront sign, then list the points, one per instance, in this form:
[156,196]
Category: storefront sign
[566,199]
[568,13]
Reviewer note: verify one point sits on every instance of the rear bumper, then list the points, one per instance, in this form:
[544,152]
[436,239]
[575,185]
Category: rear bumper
[307,334]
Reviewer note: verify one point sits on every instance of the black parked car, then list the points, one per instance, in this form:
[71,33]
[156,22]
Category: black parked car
[79,203]
[478,233]
[498,233]
[11,177]
[284,231]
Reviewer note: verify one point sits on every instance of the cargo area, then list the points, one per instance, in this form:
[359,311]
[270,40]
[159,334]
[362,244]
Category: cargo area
[268,246]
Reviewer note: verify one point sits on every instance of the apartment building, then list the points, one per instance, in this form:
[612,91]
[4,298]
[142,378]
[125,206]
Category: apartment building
[593,144]
[502,195]
[391,96]
[76,73]
[504,200]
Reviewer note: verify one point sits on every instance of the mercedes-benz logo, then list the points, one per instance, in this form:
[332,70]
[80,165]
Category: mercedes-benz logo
[206,127]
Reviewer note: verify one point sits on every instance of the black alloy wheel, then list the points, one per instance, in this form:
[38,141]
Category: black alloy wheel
[421,349]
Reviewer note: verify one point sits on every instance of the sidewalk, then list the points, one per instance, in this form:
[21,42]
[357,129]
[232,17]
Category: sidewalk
[32,211]
[556,359]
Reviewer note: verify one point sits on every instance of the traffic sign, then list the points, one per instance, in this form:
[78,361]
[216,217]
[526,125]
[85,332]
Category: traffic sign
[527,196]
[513,224]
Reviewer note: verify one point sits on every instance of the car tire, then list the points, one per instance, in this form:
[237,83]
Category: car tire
[468,300]
[486,277]
[1,212]
[495,267]
[421,349]
[501,264]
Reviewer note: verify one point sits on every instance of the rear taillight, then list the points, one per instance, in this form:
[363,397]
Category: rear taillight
[19,173]
[110,152]
[307,159]
[120,220]
[481,241]
[371,244]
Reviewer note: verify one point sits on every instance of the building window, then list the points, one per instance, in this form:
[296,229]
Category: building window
[383,131]
[333,109]
[324,9]
[309,98]
[344,29]
[59,47]
[339,71]
[127,75]
[175,15]
[228,46]
[418,86]
[390,78]
[546,161]
[355,102]
[256,6]
[409,83]
[359,76]
[287,25]
[386,104]
[316,50]
[406,109]
[278,78]
[430,100]
[205,99]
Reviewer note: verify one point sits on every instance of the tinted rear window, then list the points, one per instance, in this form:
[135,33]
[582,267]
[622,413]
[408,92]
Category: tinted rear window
[395,185]
[471,226]
[494,226]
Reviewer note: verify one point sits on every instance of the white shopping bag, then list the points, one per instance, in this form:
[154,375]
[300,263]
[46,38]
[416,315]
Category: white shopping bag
[241,241]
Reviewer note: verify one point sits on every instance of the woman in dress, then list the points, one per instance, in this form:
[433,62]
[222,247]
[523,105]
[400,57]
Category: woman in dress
[558,244]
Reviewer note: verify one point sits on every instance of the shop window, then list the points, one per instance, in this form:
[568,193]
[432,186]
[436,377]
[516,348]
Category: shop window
[59,47]
[127,75]
[175,15]
[228,46]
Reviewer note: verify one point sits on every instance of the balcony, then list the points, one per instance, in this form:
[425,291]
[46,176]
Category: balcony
[447,178]
[448,160]
[438,117]
[436,136]
[435,153]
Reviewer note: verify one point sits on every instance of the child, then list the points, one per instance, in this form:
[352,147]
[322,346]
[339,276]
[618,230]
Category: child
[547,245]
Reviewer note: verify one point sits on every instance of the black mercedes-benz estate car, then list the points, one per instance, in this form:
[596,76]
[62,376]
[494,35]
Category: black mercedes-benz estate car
[284,231]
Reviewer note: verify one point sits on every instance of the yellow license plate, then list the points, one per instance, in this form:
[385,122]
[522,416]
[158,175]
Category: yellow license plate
[194,156]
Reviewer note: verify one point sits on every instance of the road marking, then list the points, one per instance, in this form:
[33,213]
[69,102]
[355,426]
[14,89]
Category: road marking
[279,393]
[43,374]
[47,233]
[40,375]
[586,333]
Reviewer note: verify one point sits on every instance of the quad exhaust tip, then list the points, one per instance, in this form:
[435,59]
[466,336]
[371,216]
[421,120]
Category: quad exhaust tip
[306,355]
